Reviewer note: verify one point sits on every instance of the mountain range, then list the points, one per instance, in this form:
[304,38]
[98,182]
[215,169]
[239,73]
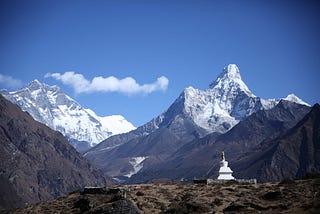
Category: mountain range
[37,163]
[197,126]
[160,148]
[266,139]
[50,106]
[249,147]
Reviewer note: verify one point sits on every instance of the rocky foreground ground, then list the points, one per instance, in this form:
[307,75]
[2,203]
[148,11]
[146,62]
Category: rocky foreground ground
[288,196]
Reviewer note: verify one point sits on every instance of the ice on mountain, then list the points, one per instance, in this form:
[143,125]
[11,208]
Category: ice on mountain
[137,165]
[226,102]
[116,124]
[295,99]
[230,80]
[49,105]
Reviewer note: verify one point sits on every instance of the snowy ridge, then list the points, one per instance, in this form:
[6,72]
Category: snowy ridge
[226,102]
[230,81]
[293,98]
[116,124]
[217,109]
[49,105]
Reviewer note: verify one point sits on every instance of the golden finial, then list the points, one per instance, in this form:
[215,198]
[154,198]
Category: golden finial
[222,156]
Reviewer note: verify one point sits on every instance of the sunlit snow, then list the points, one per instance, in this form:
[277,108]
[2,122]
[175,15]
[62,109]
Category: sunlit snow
[49,105]
[228,101]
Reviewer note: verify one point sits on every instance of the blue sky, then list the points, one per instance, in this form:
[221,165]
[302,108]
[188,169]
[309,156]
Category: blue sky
[155,49]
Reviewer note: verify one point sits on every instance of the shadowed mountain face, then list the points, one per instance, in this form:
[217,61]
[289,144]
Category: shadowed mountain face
[37,163]
[245,144]
[292,154]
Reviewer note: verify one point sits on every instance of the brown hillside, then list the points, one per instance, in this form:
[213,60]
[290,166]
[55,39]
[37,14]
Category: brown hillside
[289,196]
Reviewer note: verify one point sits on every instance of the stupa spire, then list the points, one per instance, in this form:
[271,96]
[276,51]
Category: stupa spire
[222,156]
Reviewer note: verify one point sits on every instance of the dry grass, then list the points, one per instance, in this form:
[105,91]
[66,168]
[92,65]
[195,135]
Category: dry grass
[302,196]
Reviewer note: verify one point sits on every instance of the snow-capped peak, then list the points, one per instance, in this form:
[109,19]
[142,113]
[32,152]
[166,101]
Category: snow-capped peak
[227,102]
[229,81]
[49,105]
[35,82]
[116,124]
[36,85]
[295,99]
[222,106]
[232,71]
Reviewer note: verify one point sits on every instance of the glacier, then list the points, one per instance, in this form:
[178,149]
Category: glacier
[137,164]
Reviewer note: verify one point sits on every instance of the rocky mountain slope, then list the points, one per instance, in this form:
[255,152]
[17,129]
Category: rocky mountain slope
[37,163]
[194,114]
[299,196]
[200,158]
[50,106]
[289,155]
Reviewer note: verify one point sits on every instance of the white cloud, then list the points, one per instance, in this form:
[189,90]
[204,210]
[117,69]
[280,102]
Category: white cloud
[127,85]
[9,81]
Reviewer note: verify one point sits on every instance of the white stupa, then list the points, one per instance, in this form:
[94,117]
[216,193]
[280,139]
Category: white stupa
[225,173]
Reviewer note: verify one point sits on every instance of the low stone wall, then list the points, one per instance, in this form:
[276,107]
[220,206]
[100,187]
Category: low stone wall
[251,181]
[215,181]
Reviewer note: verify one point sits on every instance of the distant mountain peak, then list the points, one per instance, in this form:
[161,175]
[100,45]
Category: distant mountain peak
[49,105]
[232,71]
[36,84]
[230,80]
[222,106]
[295,99]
